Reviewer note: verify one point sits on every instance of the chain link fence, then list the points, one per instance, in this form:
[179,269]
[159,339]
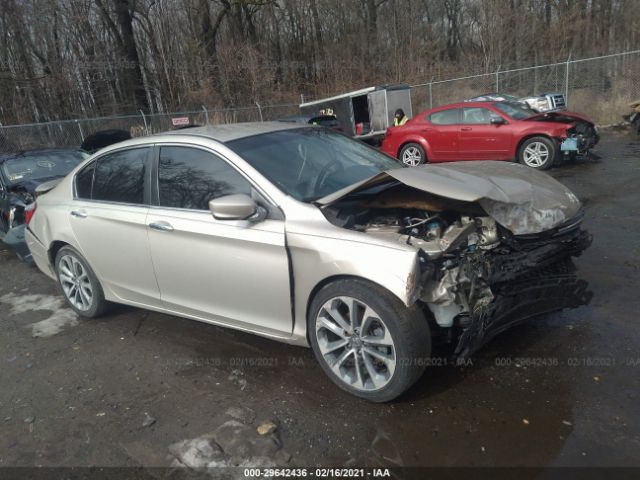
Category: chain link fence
[601,87]
[71,133]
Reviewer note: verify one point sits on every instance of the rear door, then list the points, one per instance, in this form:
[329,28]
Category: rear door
[442,133]
[482,140]
[229,271]
[108,218]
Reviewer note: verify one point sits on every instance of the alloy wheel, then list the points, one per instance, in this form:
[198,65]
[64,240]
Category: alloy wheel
[411,157]
[356,343]
[536,154]
[75,282]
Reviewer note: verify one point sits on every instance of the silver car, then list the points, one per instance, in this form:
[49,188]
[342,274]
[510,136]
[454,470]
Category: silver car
[302,235]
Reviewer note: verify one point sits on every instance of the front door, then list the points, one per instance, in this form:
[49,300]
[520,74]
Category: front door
[482,140]
[231,272]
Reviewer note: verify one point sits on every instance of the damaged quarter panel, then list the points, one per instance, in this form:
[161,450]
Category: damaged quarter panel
[53,215]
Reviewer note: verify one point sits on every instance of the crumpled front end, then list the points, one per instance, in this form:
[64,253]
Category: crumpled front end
[498,250]
[482,292]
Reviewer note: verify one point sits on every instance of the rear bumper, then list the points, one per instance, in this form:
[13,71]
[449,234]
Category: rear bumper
[389,149]
[15,239]
[39,254]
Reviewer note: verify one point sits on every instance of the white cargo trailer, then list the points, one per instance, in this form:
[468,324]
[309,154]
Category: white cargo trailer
[365,114]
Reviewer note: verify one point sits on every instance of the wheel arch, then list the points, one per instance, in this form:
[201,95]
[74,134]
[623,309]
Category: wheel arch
[529,136]
[420,141]
[54,248]
[334,278]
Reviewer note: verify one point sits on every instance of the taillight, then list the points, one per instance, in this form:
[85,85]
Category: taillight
[29,210]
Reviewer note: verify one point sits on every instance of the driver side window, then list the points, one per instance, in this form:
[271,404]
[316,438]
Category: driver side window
[190,177]
[477,116]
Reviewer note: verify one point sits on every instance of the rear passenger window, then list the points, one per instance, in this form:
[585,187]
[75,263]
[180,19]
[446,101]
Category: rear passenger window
[84,181]
[119,176]
[445,117]
[190,177]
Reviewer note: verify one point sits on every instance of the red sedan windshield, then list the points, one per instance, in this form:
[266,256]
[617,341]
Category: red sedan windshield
[514,110]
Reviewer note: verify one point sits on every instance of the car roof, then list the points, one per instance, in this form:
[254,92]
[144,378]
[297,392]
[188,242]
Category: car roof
[235,131]
[477,103]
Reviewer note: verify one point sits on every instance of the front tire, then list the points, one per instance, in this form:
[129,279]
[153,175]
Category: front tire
[537,152]
[79,284]
[367,341]
[412,155]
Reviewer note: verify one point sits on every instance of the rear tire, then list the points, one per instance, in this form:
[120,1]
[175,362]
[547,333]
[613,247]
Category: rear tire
[375,354]
[412,155]
[538,153]
[80,286]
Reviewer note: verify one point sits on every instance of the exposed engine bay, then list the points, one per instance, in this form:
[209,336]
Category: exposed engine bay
[584,132]
[477,277]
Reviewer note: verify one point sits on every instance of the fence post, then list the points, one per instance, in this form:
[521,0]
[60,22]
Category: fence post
[144,120]
[259,111]
[498,79]
[206,114]
[81,132]
[302,98]
[566,82]
[431,93]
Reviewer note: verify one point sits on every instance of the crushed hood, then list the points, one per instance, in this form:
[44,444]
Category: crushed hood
[523,200]
[560,117]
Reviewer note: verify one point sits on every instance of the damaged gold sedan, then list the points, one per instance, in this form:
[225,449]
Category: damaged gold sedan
[302,235]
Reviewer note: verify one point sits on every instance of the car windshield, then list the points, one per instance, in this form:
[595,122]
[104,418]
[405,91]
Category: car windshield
[514,110]
[42,165]
[309,163]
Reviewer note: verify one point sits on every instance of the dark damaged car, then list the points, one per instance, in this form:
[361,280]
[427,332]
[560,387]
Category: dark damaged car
[302,235]
[23,176]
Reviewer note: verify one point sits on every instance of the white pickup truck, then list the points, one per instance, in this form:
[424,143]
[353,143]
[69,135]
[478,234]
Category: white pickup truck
[545,102]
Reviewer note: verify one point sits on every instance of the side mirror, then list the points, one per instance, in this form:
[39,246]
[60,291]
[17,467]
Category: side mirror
[236,207]
[498,121]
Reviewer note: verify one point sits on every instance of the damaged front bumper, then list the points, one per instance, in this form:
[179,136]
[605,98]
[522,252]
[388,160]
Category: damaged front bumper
[580,143]
[488,291]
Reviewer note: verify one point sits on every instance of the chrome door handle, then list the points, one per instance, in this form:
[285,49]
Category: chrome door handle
[161,226]
[78,213]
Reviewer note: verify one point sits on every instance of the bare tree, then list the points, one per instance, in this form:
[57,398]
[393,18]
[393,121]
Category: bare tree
[78,58]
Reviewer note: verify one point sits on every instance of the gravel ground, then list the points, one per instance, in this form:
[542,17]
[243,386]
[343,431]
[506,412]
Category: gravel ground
[142,388]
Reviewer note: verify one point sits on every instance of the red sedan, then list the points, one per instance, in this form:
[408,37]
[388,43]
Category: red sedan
[491,131]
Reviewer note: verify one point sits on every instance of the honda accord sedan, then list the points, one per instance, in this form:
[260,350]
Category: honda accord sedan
[302,235]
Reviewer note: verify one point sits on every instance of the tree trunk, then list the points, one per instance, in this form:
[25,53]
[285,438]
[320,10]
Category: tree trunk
[131,70]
